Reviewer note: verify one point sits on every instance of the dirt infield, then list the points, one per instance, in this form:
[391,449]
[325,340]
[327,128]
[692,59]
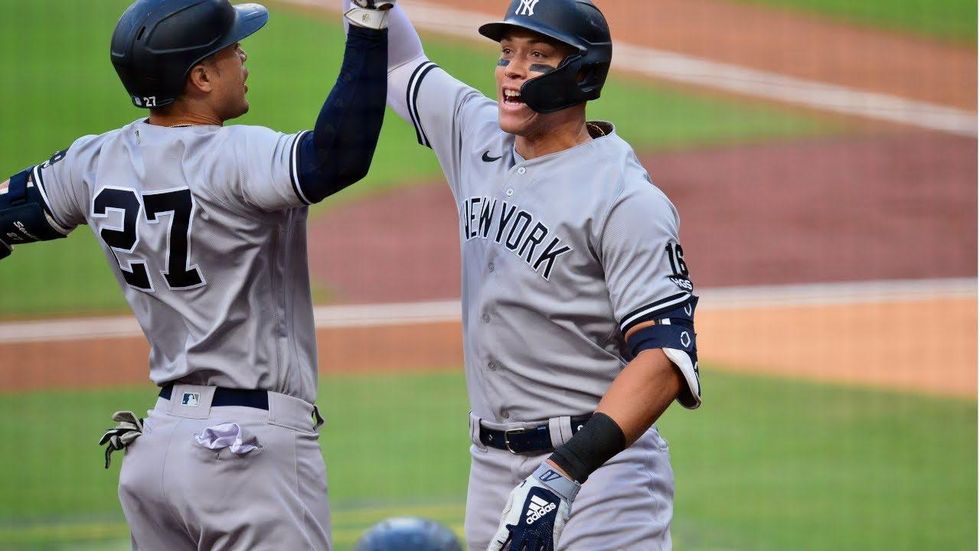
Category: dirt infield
[122,361]
[853,344]
[901,206]
[927,346]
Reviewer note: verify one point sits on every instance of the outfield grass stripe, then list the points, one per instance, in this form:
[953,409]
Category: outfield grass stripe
[730,78]
[415,313]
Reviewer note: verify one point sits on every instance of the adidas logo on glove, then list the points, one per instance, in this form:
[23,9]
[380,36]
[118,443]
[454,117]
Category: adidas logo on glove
[537,509]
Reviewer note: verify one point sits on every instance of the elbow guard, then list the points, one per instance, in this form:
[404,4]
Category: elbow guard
[673,332]
[24,215]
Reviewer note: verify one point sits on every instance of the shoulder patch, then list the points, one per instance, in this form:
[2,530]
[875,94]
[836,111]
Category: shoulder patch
[58,155]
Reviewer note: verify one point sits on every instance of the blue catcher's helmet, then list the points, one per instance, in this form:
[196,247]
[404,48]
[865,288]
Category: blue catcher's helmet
[157,42]
[408,534]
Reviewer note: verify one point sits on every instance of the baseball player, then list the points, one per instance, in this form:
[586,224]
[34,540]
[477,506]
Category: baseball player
[204,227]
[578,309]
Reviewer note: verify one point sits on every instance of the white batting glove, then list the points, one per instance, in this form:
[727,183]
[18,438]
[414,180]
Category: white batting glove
[536,512]
[130,428]
[372,14]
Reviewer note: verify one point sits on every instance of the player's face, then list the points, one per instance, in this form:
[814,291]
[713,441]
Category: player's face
[228,95]
[524,55]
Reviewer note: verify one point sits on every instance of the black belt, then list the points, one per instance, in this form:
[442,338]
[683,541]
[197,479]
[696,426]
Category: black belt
[230,397]
[534,439]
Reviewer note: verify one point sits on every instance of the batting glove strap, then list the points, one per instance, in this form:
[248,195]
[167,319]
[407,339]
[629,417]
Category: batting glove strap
[536,512]
[561,485]
[122,435]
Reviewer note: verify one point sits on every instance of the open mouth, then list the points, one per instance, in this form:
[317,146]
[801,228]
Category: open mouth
[513,97]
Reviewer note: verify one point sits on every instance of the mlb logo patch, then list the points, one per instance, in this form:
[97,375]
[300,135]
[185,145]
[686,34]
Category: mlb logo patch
[190,399]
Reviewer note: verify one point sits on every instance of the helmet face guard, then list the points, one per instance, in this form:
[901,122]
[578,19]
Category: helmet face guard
[575,23]
[157,42]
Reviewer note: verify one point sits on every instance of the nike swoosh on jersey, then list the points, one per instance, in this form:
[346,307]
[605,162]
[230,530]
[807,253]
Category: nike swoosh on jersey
[488,159]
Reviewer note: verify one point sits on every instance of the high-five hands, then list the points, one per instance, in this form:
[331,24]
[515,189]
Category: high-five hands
[536,511]
[375,4]
[372,14]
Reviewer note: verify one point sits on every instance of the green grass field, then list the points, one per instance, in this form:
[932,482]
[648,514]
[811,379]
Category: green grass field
[766,464]
[954,20]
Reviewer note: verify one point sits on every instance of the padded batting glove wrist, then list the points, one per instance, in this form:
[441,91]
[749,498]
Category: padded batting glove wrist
[372,14]
[536,511]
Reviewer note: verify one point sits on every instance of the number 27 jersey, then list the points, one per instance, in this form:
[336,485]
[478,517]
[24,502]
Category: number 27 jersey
[204,228]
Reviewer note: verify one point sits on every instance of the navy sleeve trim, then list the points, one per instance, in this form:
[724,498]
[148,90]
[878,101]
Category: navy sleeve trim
[339,150]
[414,85]
[294,168]
[652,309]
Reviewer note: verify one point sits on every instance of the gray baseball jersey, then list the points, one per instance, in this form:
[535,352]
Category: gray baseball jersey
[560,254]
[204,227]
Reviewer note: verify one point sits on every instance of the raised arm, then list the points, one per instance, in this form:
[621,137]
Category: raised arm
[339,150]
[404,51]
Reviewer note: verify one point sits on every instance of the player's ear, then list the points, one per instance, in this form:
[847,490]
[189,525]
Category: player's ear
[201,78]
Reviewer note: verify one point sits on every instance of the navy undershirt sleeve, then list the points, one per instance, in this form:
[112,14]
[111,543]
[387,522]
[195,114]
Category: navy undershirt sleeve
[339,150]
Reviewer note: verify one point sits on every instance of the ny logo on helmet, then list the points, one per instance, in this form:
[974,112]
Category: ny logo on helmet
[526,7]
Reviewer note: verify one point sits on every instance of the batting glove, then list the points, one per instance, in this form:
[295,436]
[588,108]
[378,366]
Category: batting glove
[372,14]
[536,512]
[130,428]
[5,250]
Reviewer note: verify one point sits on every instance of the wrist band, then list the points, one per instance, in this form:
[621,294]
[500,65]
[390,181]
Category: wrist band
[598,441]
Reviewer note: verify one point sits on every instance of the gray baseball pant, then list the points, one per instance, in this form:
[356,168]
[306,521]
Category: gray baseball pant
[178,495]
[626,505]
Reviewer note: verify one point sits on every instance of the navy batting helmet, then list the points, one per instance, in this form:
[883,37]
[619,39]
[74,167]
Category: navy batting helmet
[157,42]
[408,534]
[576,23]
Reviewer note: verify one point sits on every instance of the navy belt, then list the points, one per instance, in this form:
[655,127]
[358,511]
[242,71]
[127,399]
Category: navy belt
[230,397]
[529,440]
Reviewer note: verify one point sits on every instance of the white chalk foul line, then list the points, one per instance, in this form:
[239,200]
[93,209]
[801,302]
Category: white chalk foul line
[420,313]
[692,70]
[823,294]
